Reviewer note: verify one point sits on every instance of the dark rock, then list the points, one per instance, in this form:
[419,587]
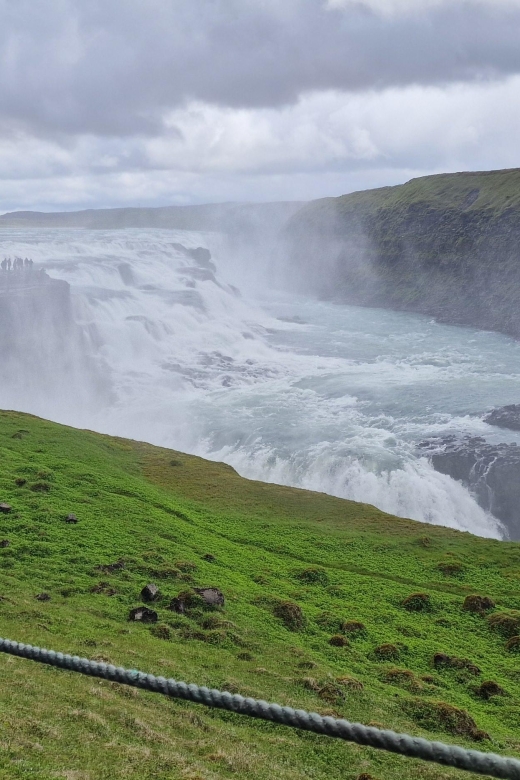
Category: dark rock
[5,543]
[143,615]
[211,596]
[441,659]
[505,417]
[490,471]
[5,508]
[150,592]
[43,597]
[20,482]
[178,605]
[209,557]
[71,518]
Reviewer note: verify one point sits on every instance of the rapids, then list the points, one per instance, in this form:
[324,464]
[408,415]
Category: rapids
[284,388]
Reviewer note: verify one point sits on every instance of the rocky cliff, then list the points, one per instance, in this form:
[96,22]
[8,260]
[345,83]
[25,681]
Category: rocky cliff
[43,353]
[446,246]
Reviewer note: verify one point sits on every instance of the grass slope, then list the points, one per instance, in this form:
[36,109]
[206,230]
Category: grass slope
[162,513]
[491,191]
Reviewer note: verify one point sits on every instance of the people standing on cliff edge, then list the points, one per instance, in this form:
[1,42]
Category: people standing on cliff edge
[3,264]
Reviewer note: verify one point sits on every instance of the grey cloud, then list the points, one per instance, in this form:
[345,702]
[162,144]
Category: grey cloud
[115,67]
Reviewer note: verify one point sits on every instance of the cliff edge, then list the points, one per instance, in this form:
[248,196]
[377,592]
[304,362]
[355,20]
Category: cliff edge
[446,245]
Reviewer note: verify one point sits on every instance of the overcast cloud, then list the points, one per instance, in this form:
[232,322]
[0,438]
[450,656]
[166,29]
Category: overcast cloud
[132,102]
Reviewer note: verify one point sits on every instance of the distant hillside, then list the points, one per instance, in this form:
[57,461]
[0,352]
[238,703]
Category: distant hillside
[330,605]
[227,217]
[445,245]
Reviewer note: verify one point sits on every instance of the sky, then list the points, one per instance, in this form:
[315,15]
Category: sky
[161,102]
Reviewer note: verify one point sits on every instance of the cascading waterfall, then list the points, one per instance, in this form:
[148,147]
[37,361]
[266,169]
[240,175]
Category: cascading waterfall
[284,388]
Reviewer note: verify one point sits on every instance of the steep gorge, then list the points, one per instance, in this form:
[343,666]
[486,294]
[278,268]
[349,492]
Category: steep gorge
[445,245]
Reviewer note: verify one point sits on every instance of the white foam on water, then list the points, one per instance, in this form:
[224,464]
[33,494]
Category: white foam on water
[283,388]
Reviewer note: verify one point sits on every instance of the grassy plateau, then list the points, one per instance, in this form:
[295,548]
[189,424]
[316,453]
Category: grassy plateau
[330,605]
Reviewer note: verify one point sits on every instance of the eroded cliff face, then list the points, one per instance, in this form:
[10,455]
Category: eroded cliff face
[446,246]
[43,353]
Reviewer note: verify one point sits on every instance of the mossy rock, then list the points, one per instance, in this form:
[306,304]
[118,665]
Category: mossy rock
[441,660]
[441,716]
[290,614]
[328,621]
[451,568]
[350,683]
[478,604]
[417,602]
[488,689]
[387,652]
[161,631]
[338,640]
[403,678]
[513,644]
[505,623]
[185,566]
[353,628]
[313,576]
[331,692]
[40,487]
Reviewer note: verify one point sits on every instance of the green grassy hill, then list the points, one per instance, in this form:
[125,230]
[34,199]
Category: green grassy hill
[296,568]
[444,245]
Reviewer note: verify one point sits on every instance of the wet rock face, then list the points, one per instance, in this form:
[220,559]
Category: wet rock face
[490,471]
[505,417]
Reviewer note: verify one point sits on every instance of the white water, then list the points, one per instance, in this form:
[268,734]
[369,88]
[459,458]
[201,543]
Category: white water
[284,388]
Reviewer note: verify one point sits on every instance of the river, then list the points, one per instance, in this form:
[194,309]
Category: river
[287,389]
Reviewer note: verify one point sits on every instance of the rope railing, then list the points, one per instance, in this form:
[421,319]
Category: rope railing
[475,761]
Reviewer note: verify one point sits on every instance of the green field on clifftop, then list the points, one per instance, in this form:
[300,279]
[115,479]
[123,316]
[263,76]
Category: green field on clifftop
[183,522]
[493,192]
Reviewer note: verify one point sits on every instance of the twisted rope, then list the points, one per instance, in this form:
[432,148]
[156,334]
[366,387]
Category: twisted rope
[414,747]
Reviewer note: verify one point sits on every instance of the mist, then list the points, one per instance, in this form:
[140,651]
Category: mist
[206,342]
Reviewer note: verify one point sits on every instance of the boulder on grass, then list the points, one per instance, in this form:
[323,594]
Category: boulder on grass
[143,615]
[71,518]
[5,508]
[150,592]
[213,597]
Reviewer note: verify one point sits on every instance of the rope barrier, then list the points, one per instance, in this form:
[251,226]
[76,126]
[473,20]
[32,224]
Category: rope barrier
[414,747]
